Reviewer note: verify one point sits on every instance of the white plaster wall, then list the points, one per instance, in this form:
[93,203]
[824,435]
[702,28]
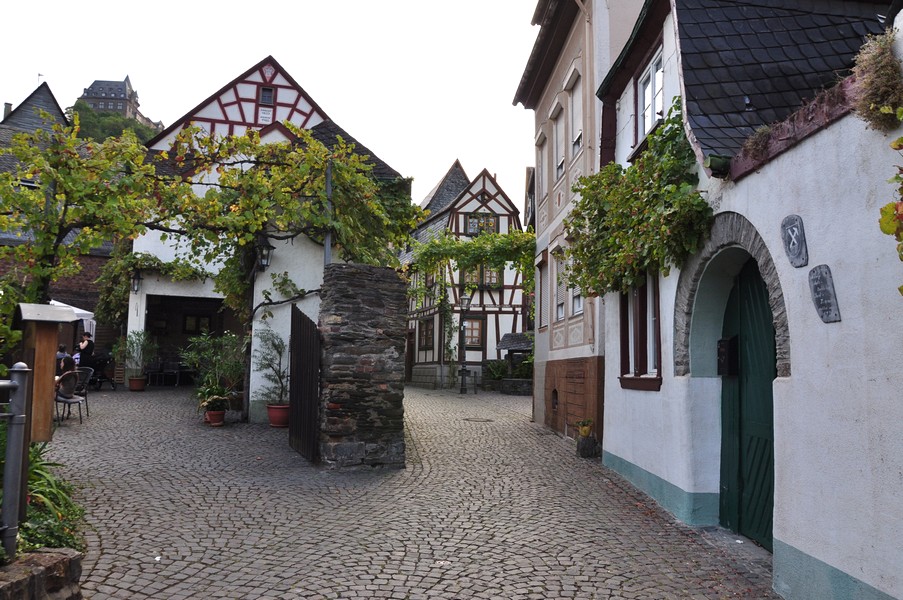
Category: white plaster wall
[303,260]
[838,442]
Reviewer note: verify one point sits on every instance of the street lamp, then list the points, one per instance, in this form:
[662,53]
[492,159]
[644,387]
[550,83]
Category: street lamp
[264,252]
[462,353]
[136,281]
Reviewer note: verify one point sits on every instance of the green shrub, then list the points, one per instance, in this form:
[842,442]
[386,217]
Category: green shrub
[495,369]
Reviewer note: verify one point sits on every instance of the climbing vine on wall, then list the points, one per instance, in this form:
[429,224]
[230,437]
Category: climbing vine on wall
[644,217]
[880,104]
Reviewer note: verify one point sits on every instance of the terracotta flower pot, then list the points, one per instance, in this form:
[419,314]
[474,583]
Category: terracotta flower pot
[137,384]
[278,414]
[216,418]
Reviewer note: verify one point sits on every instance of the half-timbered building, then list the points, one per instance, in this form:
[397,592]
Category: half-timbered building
[261,99]
[462,316]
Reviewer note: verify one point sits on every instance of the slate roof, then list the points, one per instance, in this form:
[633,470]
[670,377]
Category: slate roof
[440,198]
[747,64]
[326,133]
[518,342]
[447,190]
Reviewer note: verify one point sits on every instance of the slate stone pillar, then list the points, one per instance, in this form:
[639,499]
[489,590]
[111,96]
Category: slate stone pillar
[363,320]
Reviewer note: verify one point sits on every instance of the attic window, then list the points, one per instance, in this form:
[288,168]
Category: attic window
[266,95]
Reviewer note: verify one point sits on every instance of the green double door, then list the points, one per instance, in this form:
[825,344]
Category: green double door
[747,411]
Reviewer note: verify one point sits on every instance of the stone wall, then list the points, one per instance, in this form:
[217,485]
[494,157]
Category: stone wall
[363,322]
[48,574]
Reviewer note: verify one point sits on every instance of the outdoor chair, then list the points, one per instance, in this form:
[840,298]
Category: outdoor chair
[65,396]
[81,388]
[171,367]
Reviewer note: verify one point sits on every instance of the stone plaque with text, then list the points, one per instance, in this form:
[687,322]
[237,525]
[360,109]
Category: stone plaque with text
[821,284]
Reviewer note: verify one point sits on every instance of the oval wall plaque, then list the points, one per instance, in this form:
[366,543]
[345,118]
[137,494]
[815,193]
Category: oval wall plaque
[794,237]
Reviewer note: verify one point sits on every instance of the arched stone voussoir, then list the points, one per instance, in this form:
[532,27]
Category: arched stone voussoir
[729,230]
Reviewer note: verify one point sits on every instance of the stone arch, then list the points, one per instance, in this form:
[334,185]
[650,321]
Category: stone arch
[733,240]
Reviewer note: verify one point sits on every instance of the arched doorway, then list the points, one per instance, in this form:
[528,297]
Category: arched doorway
[747,410]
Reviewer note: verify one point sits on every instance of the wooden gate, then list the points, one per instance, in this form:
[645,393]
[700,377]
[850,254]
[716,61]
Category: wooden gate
[747,411]
[304,391]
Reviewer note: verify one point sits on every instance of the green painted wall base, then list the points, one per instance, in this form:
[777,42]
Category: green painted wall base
[696,509]
[798,576]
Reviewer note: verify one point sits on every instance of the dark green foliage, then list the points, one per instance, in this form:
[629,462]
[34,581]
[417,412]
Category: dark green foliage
[632,220]
[96,125]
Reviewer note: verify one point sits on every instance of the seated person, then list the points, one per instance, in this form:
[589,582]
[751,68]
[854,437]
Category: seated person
[67,370]
[60,355]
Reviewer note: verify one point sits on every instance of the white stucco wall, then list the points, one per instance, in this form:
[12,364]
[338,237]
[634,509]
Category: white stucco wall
[838,442]
[303,260]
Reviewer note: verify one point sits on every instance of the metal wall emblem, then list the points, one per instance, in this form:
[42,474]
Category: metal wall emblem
[821,284]
[794,237]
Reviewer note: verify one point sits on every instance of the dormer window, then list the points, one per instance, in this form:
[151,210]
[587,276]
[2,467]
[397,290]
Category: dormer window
[266,95]
[650,98]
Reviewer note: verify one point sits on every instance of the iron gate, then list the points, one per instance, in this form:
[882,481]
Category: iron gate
[304,390]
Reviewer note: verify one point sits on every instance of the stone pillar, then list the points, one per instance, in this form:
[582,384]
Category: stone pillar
[363,320]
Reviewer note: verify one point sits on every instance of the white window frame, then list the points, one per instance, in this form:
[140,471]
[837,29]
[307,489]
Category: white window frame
[576,115]
[650,95]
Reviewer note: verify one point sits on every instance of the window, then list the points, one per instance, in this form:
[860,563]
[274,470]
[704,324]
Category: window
[558,145]
[102,105]
[426,331]
[576,300]
[559,289]
[641,354]
[482,277]
[650,99]
[541,170]
[576,116]
[478,223]
[119,105]
[542,304]
[473,333]
[266,95]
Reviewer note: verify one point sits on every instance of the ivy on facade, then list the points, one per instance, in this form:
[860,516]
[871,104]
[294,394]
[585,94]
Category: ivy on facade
[649,216]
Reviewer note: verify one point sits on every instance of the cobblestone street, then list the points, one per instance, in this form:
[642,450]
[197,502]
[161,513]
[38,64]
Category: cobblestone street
[489,506]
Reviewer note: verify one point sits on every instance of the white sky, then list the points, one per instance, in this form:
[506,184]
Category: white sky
[419,82]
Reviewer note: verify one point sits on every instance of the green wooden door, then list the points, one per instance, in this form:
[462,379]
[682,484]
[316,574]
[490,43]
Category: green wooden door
[747,412]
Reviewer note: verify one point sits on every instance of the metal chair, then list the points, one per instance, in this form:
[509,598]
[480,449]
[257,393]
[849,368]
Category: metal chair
[65,395]
[171,367]
[81,388]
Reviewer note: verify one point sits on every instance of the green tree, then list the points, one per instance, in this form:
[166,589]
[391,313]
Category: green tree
[65,198]
[255,189]
[100,125]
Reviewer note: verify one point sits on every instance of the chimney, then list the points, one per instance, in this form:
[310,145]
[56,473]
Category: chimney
[7,108]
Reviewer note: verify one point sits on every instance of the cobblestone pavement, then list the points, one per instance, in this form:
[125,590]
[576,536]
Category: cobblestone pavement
[489,506]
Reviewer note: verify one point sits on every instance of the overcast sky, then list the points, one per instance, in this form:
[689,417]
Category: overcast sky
[420,83]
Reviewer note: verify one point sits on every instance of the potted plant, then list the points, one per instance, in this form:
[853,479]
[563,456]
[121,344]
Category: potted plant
[586,445]
[271,360]
[213,399]
[218,361]
[136,351]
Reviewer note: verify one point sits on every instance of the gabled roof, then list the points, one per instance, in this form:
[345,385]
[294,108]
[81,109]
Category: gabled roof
[452,191]
[748,63]
[254,73]
[236,107]
[25,118]
[449,187]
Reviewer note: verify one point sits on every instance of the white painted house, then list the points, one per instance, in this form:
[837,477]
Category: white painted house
[465,208]
[795,438]
[261,98]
